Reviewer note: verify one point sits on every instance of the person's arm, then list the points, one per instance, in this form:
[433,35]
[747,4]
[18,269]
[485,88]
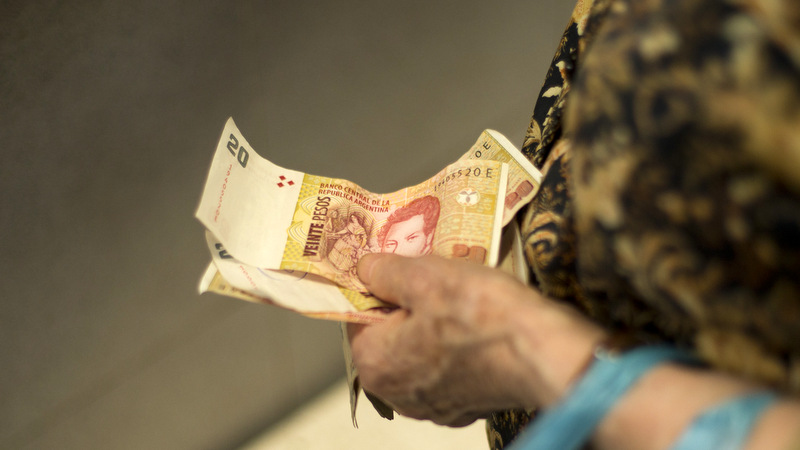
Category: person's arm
[470,340]
[658,410]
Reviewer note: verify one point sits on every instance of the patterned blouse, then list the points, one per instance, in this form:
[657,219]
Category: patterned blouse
[669,135]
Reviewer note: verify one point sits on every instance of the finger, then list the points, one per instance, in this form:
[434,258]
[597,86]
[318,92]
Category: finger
[375,335]
[401,280]
[372,345]
[354,329]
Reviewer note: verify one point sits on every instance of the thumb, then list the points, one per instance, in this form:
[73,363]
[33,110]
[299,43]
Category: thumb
[404,281]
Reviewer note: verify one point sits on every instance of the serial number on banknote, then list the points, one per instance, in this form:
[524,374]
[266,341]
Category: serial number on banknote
[476,172]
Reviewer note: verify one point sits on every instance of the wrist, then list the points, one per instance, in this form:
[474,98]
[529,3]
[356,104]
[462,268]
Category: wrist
[571,423]
[681,392]
[554,343]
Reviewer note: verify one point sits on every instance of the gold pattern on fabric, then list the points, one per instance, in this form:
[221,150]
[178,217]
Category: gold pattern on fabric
[668,133]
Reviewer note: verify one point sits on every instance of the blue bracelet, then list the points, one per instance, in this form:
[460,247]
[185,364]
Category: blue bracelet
[727,425]
[570,424]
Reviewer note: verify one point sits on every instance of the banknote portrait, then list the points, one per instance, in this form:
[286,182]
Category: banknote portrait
[349,244]
[409,230]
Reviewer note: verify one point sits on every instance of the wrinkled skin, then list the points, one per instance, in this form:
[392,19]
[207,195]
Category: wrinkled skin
[453,352]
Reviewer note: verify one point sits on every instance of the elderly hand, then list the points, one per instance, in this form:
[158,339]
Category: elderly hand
[467,340]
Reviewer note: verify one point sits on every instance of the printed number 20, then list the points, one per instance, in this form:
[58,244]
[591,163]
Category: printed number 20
[242,156]
[222,252]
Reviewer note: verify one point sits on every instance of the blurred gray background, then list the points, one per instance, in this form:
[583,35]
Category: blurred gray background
[110,113]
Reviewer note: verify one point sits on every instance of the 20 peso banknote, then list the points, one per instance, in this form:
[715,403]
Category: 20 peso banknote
[269,217]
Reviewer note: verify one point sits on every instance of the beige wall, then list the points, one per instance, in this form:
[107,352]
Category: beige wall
[110,112]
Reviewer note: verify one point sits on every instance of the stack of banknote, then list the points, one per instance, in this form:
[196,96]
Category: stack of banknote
[286,238]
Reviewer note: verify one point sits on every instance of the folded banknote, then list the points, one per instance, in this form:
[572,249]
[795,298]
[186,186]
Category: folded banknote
[283,237]
[270,217]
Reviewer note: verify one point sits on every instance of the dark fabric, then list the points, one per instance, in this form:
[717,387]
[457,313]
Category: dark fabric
[669,134]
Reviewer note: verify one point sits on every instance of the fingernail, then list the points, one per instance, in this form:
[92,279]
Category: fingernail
[365,265]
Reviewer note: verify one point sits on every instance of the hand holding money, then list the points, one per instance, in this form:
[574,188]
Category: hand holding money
[416,360]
